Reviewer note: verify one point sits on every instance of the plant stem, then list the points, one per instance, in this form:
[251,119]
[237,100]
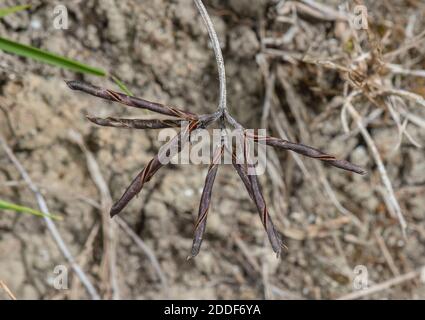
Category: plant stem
[218,54]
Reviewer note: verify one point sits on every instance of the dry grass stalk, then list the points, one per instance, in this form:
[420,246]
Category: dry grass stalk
[392,199]
[49,223]
[7,290]
[109,259]
[101,184]
[382,286]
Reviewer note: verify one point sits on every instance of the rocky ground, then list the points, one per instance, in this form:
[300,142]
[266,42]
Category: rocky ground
[334,223]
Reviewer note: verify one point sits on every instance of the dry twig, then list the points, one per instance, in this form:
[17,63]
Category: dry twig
[7,290]
[392,199]
[109,262]
[50,224]
[382,286]
[100,182]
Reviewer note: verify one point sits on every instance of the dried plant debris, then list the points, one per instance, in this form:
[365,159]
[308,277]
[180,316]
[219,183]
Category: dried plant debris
[192,123]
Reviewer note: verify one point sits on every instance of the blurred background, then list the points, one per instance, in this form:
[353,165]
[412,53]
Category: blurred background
[345,77]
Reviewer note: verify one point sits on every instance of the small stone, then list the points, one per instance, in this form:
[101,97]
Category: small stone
[248,7]
[244,42]
[204,261]
[416,173]
[360,156]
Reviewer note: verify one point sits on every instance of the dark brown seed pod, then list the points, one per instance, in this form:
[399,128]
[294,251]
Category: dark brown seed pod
[204,204]
[274,236]
[136,186]
[173,147]
[136,123]
[254,190]
[130,101]
[308,152]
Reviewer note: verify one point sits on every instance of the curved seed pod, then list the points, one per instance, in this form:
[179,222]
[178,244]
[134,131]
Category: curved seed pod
[136,123]
[274,236]
[173,147]
[130,101]
[252,186]
[308,152]
[136,186]
[205,203]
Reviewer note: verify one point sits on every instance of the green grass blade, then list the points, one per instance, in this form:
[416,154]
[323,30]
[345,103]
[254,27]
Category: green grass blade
[6,11]
[47,57]
[4,205]
[122,86]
